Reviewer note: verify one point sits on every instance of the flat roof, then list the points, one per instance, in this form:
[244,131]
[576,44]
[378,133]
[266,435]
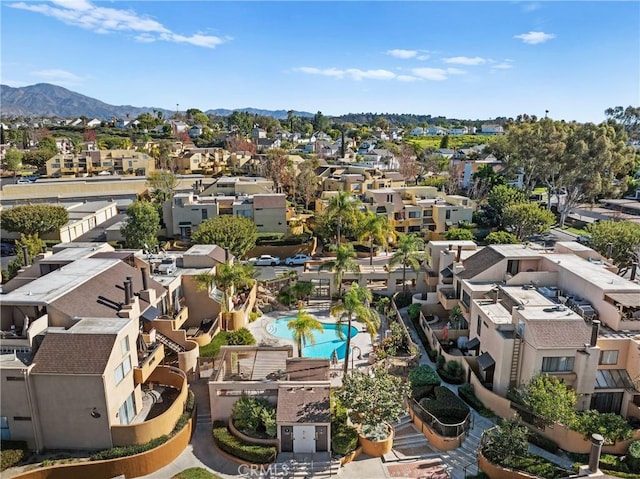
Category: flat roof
[98,326]
[49,288]
[495,311]
[529,296]
[553,312]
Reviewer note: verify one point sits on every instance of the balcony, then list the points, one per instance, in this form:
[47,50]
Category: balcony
[148,361]
[204,333]
[146,430]
[448,298]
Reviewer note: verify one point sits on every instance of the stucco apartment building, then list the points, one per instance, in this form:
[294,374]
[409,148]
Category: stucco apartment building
[87,163]
[563,312]
[76,361]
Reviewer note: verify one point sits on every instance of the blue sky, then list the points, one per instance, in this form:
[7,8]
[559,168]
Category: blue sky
[475,60]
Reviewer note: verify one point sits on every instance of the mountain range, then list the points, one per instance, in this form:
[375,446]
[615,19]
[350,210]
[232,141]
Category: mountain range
[46,100]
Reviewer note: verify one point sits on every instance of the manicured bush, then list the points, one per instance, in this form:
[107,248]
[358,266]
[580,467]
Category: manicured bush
[230,444]
[241,337]
[440,361]
[446,406]
[467,394]
[344,439]
[123,451]
[196,473]
[452,372]
[432,353]
[423,379]
[11,453]
[535,465]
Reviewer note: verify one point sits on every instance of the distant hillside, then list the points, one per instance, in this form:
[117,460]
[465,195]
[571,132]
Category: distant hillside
[49,100]
[46,100]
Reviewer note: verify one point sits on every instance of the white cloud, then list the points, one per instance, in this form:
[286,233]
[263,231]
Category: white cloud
[354,73]
[423,57]
[14,83]
[58,75]
[83,14]
[435,74]
[404,54]
[406,78]
[470,61]
[531,7]
[456,71]
[533,38]
[502,66]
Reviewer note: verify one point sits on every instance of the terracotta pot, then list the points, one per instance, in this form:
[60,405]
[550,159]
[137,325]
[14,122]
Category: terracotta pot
[377,448]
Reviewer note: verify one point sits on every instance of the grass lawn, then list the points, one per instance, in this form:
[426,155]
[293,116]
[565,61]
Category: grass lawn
[576,231]
[212,349]
[196,473]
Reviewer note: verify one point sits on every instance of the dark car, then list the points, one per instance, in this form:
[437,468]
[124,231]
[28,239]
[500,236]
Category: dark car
[7,249]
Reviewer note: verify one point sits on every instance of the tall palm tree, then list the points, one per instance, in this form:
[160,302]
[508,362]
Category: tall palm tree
[345,261]
[355,306]
[409,254]
[302,328]
[375,229]
[341,206]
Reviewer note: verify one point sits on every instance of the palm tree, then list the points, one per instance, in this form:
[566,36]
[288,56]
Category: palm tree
[355,305]
[345,261]
[341,206]
[302,328]
[375,228]
[408,254]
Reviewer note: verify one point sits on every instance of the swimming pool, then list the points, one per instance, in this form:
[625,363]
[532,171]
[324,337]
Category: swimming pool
[327,341]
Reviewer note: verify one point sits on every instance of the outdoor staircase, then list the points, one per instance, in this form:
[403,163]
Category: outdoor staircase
[303,466]
[515,360]
[408,442]
[170,343]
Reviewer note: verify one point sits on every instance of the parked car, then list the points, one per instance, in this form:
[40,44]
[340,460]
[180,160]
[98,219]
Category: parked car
[297,260]
[23,181]
[583,239]
[265,260]
[7,249]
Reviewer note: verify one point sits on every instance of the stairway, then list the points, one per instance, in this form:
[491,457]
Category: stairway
[170,343]
[515,360]
[409,443]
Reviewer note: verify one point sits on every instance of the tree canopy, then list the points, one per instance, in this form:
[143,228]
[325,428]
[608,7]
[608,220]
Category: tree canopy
[460,234]
[34,219]
[142,226]
[526,219]
[235,233]
[624,237]
[13,160]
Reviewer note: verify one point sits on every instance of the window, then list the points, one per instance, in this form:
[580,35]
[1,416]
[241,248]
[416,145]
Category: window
[513,266]
[466,299]
[414,214]
[448,215]
[127,411]
[557,364]
[21,378]
[123,369]
[21,418]
[479,327]
[5,435]
[427,213]
[204,214]
[609,357]
[124,345]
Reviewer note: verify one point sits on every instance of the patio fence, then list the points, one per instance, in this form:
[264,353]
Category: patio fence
[437,426]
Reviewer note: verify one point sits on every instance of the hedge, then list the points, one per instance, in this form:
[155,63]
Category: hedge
[468,395]
[11,453]
[344,439]
[536,466]
[254,453]
[446,405]
[451,374]
[423,375]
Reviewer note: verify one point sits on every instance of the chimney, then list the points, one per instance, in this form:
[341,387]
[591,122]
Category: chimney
[595,328]
[594,456]
[609,250]
[44,248]
[459,252]
[634,269]
[450,247]
[130,282]
[145,282]
[127,292]
[25,255]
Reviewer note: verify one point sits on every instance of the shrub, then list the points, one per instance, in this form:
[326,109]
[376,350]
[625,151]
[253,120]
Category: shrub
[414,311]
[633,456]
[375,432]
[123,451]
[468,395]
[452,372]
[440,361]
[536,466]
[423,379]
[432,353]
[446,406]
[249,452]
[254,415]
[505,441]
[612,427]
[241,337]
[11,453]
[253,315]
[344,439]
[196,473]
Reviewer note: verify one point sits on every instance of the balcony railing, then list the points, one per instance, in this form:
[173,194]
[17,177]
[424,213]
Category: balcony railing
[148,362]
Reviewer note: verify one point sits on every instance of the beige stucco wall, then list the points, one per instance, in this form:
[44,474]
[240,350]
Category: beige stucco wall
[270,220]
[201,306]
[15,402]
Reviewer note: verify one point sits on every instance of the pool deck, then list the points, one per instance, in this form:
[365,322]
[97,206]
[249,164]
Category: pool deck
[320,309]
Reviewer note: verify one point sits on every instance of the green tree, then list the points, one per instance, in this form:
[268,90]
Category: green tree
[506,441]
[409,254]
[34,247]
[226,278]
[526,219]
[484,180]
[307,182]
[628,117]
[13,160]
[320,122]
[501,197]
[142,225]
[345,261]
[342,205]
[34,219]
[302,327]
[624,238]
[549,397]
[163,184]
[235,233]
[459,234]
[374,399]
[501,237]
[355,306]
[444,141]
[375,229]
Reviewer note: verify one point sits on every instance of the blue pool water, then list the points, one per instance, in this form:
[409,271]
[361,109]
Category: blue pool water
[327,341]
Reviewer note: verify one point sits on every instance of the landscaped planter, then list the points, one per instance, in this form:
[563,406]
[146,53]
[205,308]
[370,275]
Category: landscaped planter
[377,448]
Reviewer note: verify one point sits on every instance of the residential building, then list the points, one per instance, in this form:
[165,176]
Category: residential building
[95,162]
[492,129]
[565,313]
[201,160]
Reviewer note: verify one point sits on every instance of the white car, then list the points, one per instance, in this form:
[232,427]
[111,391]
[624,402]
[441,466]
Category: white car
[297,260]
[265,260]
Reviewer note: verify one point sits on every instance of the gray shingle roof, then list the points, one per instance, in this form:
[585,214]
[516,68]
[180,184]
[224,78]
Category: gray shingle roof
[67,353]
[308,404]
[479,262]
